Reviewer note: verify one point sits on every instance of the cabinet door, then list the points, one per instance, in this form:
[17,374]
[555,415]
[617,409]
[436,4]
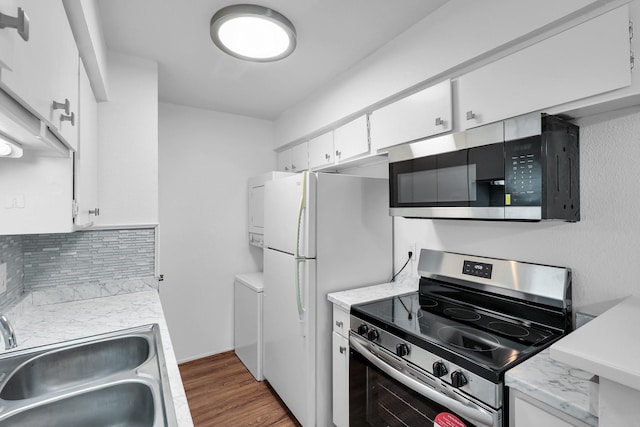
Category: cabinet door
[523,412]
[423,114]
[300,157]
[340,361]
[321,151]
[45,68]
[586,60]
[284,160]
[8,36]
[86,157]
[352,139]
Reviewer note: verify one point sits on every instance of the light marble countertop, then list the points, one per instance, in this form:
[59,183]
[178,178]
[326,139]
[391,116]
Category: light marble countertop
[555,384]
[345,299]
[607,346]
[37,325]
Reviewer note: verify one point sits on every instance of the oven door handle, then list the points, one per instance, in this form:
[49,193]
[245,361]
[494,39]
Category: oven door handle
[470,411]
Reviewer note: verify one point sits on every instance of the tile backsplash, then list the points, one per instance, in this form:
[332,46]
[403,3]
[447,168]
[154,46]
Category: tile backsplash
[11,254]
[40,261]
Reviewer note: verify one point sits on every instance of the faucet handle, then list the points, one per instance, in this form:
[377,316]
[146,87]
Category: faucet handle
[8,333]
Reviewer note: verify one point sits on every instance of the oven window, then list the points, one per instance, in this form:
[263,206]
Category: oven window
[377,400]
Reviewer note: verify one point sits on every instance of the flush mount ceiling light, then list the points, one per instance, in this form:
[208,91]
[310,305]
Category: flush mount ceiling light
[9,148]
[253,33]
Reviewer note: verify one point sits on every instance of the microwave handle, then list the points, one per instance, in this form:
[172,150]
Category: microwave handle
[469,410]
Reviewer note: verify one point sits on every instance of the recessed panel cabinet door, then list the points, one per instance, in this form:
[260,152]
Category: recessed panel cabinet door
[423,114]
[588,59]
[299,157]
[340,362]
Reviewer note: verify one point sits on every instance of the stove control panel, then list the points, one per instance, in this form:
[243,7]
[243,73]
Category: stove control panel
[478,269]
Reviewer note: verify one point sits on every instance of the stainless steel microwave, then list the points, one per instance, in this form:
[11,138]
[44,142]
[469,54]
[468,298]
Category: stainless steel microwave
[522,169]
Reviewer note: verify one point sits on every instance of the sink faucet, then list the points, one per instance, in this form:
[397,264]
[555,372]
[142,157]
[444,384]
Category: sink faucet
[8,333]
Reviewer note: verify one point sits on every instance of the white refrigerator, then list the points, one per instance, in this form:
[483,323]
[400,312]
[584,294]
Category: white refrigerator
[323,233]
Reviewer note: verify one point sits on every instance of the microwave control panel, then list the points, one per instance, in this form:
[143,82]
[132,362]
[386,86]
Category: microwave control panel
[523,172]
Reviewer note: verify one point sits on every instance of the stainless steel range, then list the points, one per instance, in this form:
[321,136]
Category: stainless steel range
[438,356]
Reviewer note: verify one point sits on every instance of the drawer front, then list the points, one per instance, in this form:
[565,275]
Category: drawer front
[340,321]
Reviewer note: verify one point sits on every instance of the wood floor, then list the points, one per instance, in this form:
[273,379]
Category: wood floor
[222,392]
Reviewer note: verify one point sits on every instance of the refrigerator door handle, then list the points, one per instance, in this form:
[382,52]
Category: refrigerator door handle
[299,259]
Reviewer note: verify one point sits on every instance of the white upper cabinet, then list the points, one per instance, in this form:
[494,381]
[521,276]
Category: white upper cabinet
[294,159]
[588,59]
[86,156]
[423,114]
[299,157]
[283,161]
[44,69]
[9,8]
[352,139]
[321,151]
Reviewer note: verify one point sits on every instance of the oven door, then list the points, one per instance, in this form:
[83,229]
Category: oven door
[384,390]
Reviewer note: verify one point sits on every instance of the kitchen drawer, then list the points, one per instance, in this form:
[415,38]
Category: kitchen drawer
[340,321]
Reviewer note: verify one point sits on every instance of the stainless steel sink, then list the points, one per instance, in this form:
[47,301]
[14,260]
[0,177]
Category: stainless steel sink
[115,379]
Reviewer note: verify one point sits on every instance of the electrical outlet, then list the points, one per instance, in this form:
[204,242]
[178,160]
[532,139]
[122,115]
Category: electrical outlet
[412,248]
[3,277]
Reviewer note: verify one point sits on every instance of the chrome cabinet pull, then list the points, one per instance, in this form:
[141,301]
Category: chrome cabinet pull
[342,349]
[338,153]
[327,156]
[339,323]
[293,167]
[95,211]
[66,106]
[68,118]
[471,115]
[439,121]
[20,23]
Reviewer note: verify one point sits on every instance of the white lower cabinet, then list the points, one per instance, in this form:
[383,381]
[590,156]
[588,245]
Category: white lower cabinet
[525,411]
[340,363]
[583,61]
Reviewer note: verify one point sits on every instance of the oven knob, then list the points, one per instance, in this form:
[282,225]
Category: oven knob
[402,349]
[439,369]
[373,335]
[363,329]
[458,379]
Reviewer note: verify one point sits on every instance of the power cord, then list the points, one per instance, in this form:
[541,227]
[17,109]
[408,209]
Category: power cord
[405,264]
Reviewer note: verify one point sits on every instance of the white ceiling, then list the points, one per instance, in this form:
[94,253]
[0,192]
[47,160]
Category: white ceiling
[333,35]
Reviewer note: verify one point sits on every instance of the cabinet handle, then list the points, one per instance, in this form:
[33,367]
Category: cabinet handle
[439,121]
[339,323]
[286,168]
[95,211]
[342,349]
[66,106]
[338,153]
[293,167]
[471,115]
[68,118]
[20,23]
[327,156]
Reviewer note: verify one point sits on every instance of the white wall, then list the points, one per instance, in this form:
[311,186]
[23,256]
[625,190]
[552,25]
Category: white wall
[459,32]
[602,249]
[128,143]
[205,160]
